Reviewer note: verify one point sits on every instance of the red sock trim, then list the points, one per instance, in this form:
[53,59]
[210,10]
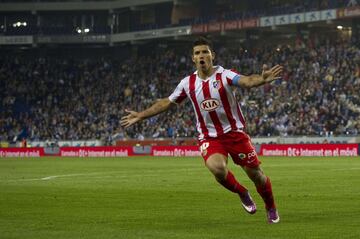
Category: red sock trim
[267,194]
[232,184]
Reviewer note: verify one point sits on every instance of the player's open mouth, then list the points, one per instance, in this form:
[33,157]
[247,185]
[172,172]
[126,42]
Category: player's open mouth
[202,62]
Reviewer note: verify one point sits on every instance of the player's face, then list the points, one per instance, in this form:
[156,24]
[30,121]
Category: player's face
[203,57]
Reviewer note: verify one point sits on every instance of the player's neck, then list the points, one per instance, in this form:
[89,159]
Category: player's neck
[204,74]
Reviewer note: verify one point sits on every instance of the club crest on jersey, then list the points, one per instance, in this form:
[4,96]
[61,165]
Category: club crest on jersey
[216,84]
[210,104]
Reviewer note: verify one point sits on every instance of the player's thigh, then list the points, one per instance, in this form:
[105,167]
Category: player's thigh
[217,164]
[209,148]
[214,155]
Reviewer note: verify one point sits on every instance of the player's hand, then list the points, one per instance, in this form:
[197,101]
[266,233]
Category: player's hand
[130,119]
[273,74]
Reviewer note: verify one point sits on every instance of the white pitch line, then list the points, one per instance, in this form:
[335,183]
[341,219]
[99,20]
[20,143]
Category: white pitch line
[62,176]
[100,173]
[57,176]
[344,169]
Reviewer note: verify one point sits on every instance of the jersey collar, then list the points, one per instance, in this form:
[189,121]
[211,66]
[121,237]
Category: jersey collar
[218,69]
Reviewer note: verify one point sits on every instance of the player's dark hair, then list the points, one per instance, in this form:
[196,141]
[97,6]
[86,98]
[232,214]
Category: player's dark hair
[203,41]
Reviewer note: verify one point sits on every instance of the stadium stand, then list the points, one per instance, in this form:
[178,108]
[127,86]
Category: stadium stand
[75,99]
[151,17]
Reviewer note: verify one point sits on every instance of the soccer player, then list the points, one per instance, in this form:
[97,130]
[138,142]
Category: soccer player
[220,123]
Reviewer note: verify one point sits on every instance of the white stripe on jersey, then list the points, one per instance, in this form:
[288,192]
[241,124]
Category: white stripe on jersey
[233,102]
[214,102]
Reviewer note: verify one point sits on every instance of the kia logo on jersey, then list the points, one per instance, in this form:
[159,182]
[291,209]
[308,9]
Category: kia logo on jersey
[210,104]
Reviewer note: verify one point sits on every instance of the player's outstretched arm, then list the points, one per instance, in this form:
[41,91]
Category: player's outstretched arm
[267,76]
[132,117]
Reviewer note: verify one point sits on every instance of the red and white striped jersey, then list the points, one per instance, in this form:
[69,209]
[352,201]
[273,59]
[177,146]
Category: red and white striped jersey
[214,102]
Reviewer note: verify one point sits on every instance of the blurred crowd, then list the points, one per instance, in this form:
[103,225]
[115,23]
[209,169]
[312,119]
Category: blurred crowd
[317,95]
[71,99]
[125,19]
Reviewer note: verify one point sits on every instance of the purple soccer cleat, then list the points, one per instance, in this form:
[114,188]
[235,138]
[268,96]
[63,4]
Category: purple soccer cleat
[273,216]
[247,202]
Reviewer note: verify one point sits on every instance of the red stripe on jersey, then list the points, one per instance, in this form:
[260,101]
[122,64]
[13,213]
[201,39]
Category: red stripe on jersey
[229,81]
[204,130]
[213,115]
[225,102]
[241,117]
[181,97]
[235,71]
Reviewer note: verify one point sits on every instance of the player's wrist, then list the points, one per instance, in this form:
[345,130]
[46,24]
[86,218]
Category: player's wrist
[267,79]
[263,78]
[141,116]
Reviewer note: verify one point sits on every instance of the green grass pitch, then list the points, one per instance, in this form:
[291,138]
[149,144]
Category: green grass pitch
[155,198]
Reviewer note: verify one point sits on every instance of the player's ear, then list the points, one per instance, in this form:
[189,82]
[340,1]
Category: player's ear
[213,55]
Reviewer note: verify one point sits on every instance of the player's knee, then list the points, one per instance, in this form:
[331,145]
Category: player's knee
[219,171]
[220,174]
[217,168]
[257,176]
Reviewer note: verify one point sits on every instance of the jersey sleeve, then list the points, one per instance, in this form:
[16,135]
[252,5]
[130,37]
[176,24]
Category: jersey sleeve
[179,94]
[232,77]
